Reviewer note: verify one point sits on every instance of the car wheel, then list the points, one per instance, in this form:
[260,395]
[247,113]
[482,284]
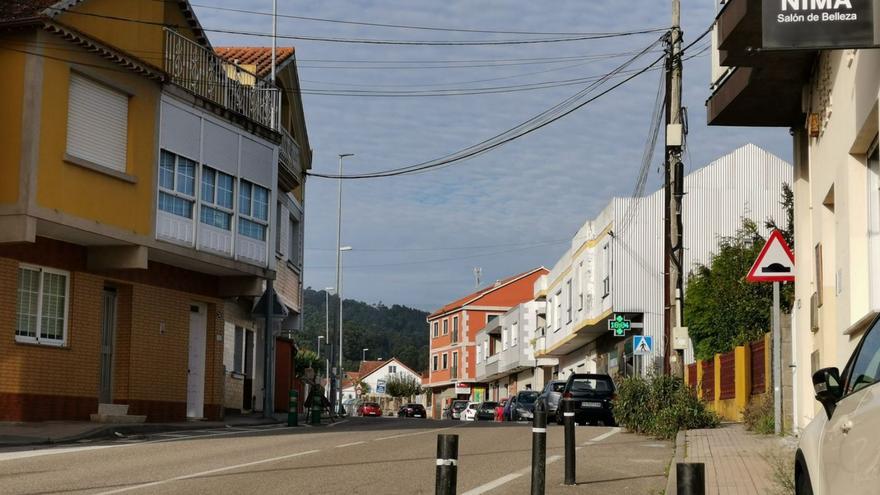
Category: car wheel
[802,485]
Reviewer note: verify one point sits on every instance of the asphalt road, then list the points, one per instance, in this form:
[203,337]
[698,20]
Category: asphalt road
[360,455]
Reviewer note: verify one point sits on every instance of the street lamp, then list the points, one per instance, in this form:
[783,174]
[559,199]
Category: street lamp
[364,354]
[327,291]
[339,266]
[339,293]
[320,338]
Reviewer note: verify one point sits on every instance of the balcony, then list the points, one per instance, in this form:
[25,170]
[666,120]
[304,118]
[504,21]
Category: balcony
[205,74]
[290,171]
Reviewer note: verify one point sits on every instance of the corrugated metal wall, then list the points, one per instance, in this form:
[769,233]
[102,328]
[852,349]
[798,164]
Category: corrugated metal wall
[746,183]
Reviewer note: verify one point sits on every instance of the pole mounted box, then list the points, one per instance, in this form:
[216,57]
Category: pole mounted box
[680,338]
[674,133]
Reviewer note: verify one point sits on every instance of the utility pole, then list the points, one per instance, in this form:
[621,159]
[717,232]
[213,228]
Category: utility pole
[674,189]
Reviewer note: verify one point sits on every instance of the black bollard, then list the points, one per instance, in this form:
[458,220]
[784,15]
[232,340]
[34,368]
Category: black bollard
[447,464]
[690,478]
[570,459]
[539,449]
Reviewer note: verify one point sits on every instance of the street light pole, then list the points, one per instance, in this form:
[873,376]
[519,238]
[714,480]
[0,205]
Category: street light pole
[364,354]
[327,339]
[320,338]
[339,270]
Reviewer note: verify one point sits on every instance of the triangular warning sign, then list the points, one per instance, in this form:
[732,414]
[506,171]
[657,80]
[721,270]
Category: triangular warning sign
[775,263]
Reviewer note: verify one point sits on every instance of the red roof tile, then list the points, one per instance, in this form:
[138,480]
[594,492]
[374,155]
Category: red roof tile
[259,56]
[485,290]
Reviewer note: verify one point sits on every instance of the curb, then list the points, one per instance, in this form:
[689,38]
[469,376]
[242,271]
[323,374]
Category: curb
[678,456]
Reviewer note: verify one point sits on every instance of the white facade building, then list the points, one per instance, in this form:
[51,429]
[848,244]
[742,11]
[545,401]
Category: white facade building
[615,263]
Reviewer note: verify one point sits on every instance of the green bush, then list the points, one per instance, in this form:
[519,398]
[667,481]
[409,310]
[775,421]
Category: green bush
[758,415]
[660,406]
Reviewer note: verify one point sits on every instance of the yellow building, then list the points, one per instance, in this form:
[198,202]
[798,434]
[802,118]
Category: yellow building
[150,186]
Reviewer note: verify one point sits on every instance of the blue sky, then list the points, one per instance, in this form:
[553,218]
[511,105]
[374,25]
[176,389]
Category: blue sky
[418,238]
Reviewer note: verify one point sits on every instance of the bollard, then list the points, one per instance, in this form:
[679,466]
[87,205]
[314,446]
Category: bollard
[690,478]
[292,416]
[539,449]
[316,412]
[447,464]
[570,459]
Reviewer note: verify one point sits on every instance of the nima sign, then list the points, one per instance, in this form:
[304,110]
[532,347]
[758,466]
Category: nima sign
[818,24]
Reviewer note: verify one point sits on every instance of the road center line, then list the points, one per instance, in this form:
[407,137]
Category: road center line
[601,437]
[414,434]
[488,487]
[210,471]
[350,444]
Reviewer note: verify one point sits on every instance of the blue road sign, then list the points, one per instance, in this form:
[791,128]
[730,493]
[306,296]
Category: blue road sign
[643,345]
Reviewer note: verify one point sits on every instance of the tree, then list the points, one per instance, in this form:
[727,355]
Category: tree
[724,310]
[403,386]
[304,359]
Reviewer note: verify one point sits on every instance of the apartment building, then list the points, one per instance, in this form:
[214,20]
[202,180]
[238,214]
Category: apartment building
[452,336]
[506,360]
[615,264]
[828,99]
[136,208]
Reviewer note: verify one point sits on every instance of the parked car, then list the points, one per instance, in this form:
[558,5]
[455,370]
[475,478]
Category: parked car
[454,410]
[470,412]
[522,405]
[551,395]
[838,451]
[486,411]
[412,411]
[593,396]
[369,409]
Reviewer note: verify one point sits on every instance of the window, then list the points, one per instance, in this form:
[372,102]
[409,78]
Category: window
[97,123]
[238,349]
[558,310]
[446,327]
[294,252]
[489,318]
[177,184]
[279,241]
[216,194]
[568,289]
[392,369]
[606,272]
[435,362]
[454,365]
[41,311]
[455,326]
[580,276]
[253,201]
[866,367]
[445,361]
[436,329]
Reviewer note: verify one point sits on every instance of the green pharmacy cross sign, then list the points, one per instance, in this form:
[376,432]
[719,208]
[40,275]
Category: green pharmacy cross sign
[619,326]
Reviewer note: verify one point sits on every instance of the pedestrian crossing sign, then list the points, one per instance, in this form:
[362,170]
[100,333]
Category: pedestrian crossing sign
[643,345]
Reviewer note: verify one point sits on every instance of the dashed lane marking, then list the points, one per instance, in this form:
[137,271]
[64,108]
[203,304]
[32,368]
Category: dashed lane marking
[210,471]
[506,478]
[350,444]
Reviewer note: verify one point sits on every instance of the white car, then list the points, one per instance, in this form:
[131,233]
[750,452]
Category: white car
[470,412]
[839,451]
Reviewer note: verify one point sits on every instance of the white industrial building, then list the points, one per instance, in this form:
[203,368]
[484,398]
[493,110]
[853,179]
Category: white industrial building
[615,263]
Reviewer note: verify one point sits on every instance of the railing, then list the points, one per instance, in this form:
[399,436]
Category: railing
[289,152]
[203,72]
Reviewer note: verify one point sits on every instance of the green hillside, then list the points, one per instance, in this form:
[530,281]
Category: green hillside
[395,331]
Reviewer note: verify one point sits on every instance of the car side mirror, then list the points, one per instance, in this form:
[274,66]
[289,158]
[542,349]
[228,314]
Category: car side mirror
[826,383]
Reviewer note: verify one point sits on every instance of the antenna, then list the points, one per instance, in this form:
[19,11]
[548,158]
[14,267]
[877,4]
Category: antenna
[478,272]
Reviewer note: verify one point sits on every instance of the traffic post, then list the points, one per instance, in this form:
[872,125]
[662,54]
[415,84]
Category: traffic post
[292,416]
[690,478]
[539,449]
[570,460]
[447,465]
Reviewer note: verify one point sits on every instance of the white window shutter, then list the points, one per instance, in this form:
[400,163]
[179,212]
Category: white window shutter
[97,123]
[284,226]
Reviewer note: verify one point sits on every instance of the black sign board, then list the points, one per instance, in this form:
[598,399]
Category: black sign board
[815,24]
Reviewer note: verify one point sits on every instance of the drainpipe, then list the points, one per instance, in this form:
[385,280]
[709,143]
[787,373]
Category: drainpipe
[269,353]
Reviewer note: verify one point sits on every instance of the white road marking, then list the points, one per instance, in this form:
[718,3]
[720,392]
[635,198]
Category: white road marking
[601,437]
[37,453]
[337,423]
[414,434]
[350,444]
[210,471]
[488,487]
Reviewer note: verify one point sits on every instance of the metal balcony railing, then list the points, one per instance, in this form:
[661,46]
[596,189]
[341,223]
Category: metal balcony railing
[203,72]
[289,152]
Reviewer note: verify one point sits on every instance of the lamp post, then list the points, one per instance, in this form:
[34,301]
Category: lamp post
[339,266]
[320,338]
[327,291]
[364,354]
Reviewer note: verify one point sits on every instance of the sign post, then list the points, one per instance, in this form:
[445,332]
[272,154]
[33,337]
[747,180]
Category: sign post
[775,264]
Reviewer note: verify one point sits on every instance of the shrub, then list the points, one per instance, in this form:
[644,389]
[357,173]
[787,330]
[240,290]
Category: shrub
[660,406]
[758,415]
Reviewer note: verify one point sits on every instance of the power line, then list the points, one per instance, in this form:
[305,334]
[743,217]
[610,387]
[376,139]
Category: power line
[374,41]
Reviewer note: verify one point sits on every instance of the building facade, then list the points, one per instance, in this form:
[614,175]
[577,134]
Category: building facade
[452,372]
[829,100]
[136,201]
[615,264]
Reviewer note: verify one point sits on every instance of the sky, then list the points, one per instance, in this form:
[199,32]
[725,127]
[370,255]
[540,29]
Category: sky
[417,239]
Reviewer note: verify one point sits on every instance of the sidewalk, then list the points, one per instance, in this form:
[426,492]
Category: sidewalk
[52,432]
[736,460]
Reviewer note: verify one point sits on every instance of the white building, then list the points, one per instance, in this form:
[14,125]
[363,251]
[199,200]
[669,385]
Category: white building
[505,359]
[377,373]
[615,263]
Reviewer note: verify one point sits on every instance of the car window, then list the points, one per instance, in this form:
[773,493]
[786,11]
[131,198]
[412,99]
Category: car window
[527,397]
[866,367]
[557,386]
[590,385]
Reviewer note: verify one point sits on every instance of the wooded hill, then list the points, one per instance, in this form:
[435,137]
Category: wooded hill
[395,331]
